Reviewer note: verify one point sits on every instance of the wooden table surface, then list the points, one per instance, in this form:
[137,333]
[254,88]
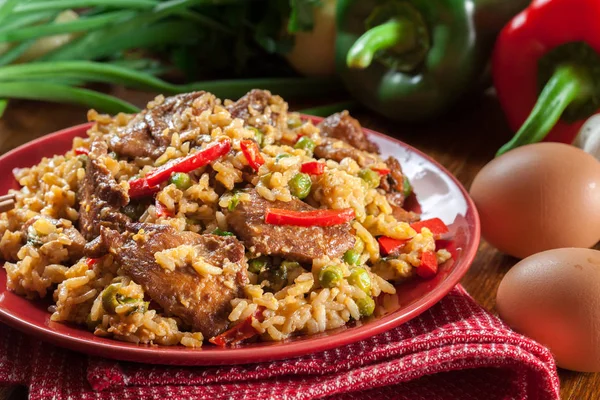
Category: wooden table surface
[463,142]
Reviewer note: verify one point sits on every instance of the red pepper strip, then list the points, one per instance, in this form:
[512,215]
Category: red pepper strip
[252,153]
[435,225]
[149,184]
[91,262]
[382,171]
[525,41]
[162,210]
[140,188]
[82,150]
[389,246]
[278,216]
[313,168]
[429,266]
[239,332]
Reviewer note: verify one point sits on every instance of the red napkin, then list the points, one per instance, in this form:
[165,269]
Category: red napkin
[455,350]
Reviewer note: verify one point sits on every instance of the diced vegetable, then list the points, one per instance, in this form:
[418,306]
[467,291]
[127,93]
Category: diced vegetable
[281,156]
[149,184]
[242,331]
[366,306]
[351,257]
[277,216]
[233,202]
[220,232]
[435,225]
[390,246]
[162,211]
[305,143]
[359,245]
[256,265]
[313,168]
[266,179]
[382,171]
[360,278]
[91,262]
[181,180]
[372,178]
[300,185]
[330,276]
[109,297]
[406,187]
[82,150]
[252,153]
[258,136]
[429,266]
[294,122]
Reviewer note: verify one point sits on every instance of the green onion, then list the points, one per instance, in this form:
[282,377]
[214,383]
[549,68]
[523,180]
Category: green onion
[235,200]
[305,143]
[61,93]
[78,25]
[66,4]
[220,232]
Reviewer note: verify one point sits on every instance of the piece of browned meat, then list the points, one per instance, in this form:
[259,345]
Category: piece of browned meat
[146,135]
[75,248]
[100,196]
[342,126]
[337,150]
[297,243]
[254,109]
[202,302]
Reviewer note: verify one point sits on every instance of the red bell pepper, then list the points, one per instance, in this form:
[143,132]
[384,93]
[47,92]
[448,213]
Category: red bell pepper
[389,246]
[382,171]
[242,331]
[252,153]
[162,211]
[82,150]
[150,183]
[312,168]
[91,262]
[278,216]
[554,44]
[435,225]
[429,265]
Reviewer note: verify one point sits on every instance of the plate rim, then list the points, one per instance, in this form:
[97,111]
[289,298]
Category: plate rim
[172,355]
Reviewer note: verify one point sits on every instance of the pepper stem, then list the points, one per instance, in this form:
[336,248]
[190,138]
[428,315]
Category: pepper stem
[566,85]
[400,34]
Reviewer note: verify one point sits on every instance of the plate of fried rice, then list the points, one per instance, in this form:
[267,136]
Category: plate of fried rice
[205,231]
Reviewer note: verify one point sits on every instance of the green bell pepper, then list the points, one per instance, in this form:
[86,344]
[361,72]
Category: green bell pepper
[410,60]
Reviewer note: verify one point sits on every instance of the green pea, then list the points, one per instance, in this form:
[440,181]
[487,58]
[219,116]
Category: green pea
[134,210]
[258,264]
[280,156]
[305,143]
[352,257]
[406,187]
[220,232]
[360,278]
[109,297]
[300,185]
[372,178]
[235,200]
[279,279]
[294,122]
[180,180]
[366,306]
[359,245]
[330,276]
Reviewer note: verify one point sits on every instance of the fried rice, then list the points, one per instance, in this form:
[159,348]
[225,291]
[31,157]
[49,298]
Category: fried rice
[44,259]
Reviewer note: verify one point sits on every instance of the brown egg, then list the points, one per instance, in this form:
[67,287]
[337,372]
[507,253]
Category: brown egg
[554,298]
[539,197]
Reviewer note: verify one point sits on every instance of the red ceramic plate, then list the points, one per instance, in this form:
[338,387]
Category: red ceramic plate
[439,194]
